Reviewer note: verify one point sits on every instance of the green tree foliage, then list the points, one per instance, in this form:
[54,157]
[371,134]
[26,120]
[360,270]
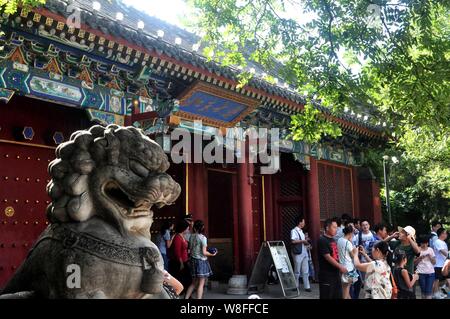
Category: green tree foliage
[10,6]
[402,49]
[388,56]
[419,183]
[311,125]
[392,57]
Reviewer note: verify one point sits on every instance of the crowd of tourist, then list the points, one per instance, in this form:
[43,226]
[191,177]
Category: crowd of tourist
[356,261]
[185,252]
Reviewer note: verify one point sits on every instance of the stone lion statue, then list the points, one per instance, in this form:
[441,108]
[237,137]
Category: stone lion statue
[105,181]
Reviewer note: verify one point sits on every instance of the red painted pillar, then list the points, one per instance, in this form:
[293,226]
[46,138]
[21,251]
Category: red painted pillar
[275,206]
[314,206]
[355,192]
[269,207]
[245,216]
[370,202]
[200,193]
[236,239]
[376,202]
[189,175]
[197,191]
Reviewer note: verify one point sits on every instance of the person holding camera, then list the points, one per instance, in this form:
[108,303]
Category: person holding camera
[299,250]
[377,284]
[365,238]
[200,268]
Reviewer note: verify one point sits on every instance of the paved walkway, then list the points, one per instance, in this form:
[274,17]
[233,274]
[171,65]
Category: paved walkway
[270,292]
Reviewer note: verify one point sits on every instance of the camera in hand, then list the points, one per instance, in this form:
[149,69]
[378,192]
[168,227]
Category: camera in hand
[212,250]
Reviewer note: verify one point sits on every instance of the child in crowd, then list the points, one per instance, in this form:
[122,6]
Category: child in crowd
[405,281]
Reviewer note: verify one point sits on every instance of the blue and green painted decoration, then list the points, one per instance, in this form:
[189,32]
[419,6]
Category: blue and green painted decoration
[214,107]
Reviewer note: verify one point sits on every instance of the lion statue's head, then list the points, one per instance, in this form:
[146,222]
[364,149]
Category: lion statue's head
[115,173]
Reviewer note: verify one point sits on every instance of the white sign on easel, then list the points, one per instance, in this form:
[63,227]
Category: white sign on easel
[273,253]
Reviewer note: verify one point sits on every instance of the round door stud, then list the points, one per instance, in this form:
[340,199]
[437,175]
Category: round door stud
[9,211]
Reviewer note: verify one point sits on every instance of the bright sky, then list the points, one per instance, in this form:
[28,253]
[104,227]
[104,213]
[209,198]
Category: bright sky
[174,11]
[167,10]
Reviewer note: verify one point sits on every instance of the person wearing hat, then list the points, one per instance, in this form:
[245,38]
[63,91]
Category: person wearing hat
[406,242]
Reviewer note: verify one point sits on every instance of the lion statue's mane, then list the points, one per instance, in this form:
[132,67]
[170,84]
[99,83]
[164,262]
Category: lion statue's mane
[104,182]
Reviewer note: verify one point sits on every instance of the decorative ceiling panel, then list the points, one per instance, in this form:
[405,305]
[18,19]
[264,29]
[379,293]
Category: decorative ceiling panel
[214,105]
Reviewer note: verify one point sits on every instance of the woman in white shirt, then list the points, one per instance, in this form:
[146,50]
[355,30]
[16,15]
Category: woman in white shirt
[345,248]
[441,252]
[425,267]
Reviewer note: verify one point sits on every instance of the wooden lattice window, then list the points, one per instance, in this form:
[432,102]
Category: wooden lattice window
[288,215]
[290,187]
[335,190]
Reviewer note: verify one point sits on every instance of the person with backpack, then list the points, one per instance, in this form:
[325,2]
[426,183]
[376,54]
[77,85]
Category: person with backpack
[366,238]
[403,278]
[377,284]
[299,252]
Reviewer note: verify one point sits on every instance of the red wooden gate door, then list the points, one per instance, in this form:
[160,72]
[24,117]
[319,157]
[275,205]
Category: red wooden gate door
[290,197]
[23,200]
[257,205]
[290,203]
